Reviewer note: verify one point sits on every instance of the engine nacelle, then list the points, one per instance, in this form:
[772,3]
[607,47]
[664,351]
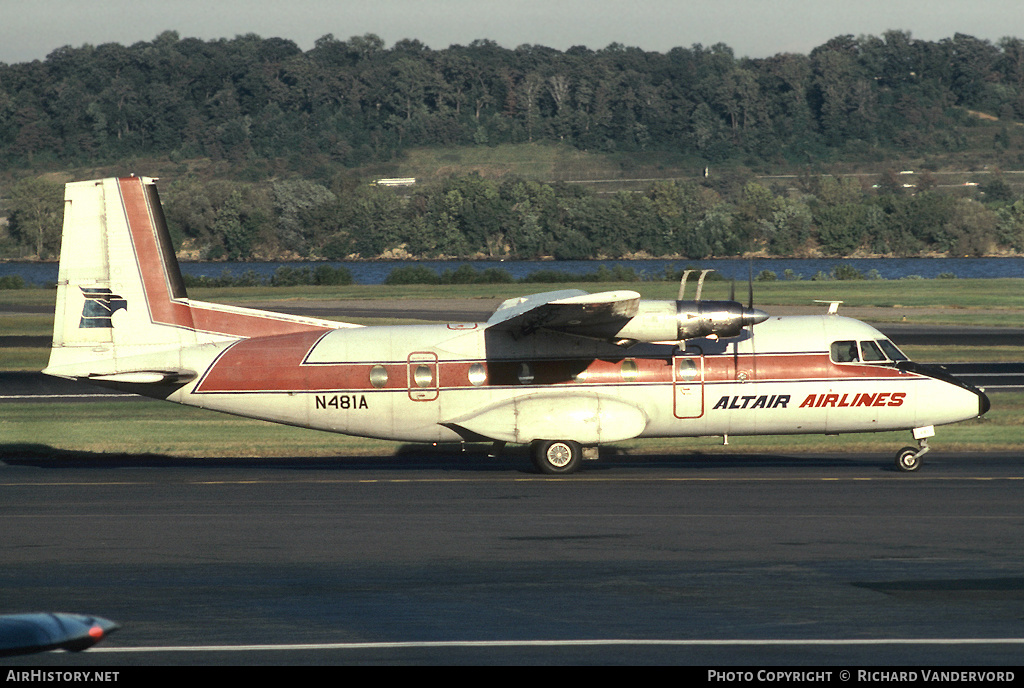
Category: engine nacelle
[666,321]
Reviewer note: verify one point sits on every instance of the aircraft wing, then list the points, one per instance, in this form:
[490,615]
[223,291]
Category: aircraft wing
[569,310]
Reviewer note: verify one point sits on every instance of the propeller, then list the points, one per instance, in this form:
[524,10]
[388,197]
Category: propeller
[750,284]
[682,284]
[750,308]
[700,283]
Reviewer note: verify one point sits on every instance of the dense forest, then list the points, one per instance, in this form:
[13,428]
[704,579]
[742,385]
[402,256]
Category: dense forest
[287,123]
[355,101]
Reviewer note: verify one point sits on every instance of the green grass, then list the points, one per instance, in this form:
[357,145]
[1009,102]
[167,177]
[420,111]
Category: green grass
[963,354]
[163,428]
[984,298]
[988,294]
[26,325]
[537,161]
[965,294]
[24,358]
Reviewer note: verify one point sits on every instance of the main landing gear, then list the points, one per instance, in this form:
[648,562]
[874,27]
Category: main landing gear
[909,458]
[556,457]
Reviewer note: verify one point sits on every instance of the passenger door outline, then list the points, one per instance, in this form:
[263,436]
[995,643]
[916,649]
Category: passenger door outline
[688,384]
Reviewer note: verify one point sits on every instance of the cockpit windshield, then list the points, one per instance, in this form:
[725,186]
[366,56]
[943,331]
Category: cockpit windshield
[872,353]
[866,351]
[891,351]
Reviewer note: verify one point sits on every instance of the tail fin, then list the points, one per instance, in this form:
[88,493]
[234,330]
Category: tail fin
[122,309]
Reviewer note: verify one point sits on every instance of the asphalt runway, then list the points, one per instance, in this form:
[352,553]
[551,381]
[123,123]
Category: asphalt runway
[439,557]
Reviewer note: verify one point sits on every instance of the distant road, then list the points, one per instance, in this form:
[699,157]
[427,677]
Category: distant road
[907,176]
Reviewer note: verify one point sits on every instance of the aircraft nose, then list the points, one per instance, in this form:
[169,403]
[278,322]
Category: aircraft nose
[983,403]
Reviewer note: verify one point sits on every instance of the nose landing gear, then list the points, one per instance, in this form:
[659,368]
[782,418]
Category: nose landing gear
[909,458]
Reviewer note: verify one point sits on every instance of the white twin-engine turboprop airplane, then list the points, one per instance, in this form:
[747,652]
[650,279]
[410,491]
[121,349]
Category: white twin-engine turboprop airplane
[564,371]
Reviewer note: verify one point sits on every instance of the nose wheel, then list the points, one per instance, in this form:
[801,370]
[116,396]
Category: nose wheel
[908,459]
[556,457]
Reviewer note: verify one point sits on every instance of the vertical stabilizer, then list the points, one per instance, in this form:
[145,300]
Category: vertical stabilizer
[121,300]
[103,309]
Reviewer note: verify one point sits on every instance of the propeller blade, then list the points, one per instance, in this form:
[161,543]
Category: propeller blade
[700,283]
[682,284]
[750,285]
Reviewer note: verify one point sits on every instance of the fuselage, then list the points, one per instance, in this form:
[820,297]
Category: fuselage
[453,382]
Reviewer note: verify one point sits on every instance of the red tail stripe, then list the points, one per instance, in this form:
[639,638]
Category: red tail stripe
[166,311]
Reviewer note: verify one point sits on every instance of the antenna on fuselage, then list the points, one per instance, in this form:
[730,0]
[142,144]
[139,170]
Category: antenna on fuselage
[833,306]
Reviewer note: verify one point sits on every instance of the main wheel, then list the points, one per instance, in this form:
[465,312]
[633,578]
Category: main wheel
[907,459]
[556,457]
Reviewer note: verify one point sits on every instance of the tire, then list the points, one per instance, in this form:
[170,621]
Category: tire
[557,457]
[907,459]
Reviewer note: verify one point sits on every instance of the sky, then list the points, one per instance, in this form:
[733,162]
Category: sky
[30,30]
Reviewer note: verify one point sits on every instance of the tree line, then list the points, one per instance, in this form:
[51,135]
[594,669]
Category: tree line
[283,119]
[355,101]
[474,217]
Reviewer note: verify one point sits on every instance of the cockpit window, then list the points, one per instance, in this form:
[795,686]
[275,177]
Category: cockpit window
[871,352]
[845,352]
[877,351]
[891,351]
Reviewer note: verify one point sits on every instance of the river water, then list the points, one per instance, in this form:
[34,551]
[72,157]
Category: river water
[375,272]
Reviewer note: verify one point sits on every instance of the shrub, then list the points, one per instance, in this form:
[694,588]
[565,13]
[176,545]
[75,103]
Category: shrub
[327,275]
[846,272]
[412,274]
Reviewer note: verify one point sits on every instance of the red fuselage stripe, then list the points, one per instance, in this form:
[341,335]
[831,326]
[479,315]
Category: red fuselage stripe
[278,364]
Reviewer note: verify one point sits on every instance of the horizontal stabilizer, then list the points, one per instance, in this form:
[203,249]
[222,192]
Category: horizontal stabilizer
[147,377]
